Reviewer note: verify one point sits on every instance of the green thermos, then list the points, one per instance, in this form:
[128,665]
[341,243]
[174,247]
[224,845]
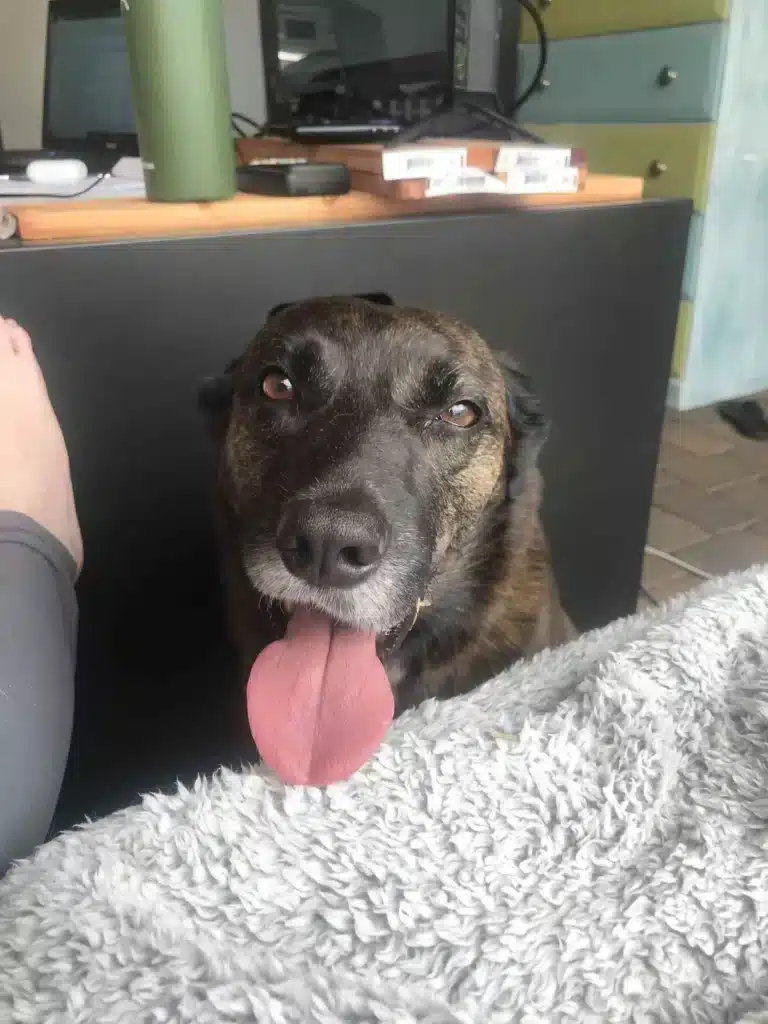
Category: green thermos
[178,60]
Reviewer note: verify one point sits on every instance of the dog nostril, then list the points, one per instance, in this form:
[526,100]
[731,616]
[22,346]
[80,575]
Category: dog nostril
[360,556]
[294,544]
[301,549]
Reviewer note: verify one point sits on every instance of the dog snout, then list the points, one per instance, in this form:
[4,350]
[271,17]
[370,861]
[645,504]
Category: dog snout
[336,542]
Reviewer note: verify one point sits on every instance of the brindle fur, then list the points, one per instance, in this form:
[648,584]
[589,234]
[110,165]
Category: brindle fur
[490,591]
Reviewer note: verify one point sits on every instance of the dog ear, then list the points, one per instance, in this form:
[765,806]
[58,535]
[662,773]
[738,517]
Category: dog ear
[214,399]
[377,298]
[528,426]
[280,308]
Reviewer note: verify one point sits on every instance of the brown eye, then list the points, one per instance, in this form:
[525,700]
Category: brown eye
[462,414]
[277,387]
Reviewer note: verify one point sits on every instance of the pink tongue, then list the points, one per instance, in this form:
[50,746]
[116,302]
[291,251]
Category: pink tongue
[319,701]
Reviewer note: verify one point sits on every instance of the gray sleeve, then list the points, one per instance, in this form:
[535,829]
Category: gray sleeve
[38,627]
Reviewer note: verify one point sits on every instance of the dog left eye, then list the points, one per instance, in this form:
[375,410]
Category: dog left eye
[277,387]
[462,414]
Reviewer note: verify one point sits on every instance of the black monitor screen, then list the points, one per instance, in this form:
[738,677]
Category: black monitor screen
[88,80]
[374,51]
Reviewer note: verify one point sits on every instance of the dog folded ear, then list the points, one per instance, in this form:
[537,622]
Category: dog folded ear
[377,298]
[214,399]
[279,308]
[528,426]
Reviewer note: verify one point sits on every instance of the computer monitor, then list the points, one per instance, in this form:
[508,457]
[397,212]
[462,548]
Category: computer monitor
[331,58]
[88,95]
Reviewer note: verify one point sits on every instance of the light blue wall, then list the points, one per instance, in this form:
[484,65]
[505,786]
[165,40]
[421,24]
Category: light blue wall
[691,277]
[728,347]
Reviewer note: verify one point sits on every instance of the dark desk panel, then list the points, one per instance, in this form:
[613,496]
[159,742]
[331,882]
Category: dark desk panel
[586,299]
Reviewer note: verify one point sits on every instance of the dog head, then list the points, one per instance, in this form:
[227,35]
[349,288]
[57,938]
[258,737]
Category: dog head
[360,444]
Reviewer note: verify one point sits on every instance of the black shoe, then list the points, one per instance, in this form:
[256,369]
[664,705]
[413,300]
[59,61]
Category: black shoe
[747,418]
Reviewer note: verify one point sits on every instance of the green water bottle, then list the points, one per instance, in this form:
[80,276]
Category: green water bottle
[178,60]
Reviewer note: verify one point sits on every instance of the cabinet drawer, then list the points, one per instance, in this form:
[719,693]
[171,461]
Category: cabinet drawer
[674,159]
[566,19]
[670,74]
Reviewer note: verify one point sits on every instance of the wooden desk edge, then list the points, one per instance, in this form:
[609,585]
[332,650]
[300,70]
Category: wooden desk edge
[113,220]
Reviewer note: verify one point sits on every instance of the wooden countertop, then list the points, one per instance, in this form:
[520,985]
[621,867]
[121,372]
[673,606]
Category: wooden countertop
[110,220]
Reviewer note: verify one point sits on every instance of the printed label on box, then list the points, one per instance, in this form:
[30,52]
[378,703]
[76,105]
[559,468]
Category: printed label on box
[469,182]
[541,180]
[512,158]
[405,164]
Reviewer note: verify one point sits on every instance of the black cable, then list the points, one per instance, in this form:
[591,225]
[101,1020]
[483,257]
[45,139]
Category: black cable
[538,77]
[496,118]
[258,129]
[21,196]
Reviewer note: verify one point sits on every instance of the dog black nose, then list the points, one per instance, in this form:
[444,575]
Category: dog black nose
[333,542]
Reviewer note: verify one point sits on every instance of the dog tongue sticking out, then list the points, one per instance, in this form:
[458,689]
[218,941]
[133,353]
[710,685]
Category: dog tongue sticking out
[319,701]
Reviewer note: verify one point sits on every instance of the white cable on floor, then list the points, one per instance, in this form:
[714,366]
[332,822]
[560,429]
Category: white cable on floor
[678,562]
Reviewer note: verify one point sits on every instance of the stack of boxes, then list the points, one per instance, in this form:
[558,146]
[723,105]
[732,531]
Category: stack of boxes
[439,167]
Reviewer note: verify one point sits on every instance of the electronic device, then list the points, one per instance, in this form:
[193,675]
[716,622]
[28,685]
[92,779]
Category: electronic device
[293,177]
[343,71]
[87,104]
[336,64]
[88,99]
[56,172]
[331,131]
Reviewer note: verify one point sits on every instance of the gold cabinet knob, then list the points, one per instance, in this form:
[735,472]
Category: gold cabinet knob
[657,168]
[666,76]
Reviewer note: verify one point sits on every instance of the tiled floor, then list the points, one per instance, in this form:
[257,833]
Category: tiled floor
[710,505]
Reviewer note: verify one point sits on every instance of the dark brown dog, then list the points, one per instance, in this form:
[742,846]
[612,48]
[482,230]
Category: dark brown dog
[377,464]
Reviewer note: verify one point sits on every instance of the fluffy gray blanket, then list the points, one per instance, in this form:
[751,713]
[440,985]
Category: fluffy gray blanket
[584,839]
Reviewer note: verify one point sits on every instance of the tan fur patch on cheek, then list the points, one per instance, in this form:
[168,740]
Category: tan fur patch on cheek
[446,532]
[242,463]
[469,493]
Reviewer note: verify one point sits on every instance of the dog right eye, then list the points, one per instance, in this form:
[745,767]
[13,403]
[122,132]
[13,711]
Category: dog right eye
[277,387]
[462,415]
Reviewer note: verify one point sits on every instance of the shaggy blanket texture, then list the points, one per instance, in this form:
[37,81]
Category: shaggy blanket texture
[584,839]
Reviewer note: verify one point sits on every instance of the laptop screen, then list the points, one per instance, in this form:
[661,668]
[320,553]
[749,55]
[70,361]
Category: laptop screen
[376,54]
[87,75]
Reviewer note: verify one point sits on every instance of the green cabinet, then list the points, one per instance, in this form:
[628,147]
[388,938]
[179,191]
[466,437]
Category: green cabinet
[674,159]
[566,19]
[671,74]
